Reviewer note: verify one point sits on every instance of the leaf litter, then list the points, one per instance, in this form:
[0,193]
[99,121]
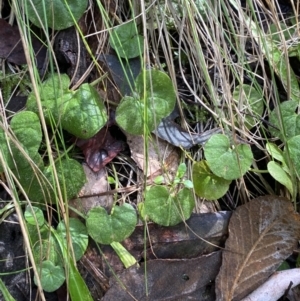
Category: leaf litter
[262,234]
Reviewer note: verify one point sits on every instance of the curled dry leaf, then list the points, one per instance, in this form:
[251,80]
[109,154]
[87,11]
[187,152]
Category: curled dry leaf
[262,233]
[163,158]
[100,149]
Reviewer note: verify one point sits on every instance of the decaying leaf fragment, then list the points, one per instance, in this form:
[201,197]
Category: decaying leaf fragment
[262,233]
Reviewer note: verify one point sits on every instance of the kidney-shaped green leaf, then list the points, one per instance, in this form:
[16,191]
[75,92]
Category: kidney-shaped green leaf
[52,277]
[78,234]
[225,161]
[208,185]
[56,14]
[84,114]
[27,129]
[126,41]
[117,226]
[166,209]
[156,95]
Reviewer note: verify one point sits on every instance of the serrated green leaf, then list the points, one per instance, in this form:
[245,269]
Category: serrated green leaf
[52,277]
[277,172]
[117,226]
[165,209]
[55,14]
[126,41]
[226,162]
[207,185]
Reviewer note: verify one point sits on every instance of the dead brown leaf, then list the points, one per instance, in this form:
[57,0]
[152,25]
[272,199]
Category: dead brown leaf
[100,149]
[262,233]
[186,279]
[91,194]
[162,156]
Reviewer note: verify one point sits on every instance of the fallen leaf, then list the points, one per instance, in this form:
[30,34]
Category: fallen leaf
[163,158]
[262,234]
[100,149]
[183,241]
[186,279]
[11,47]
[276,286]
[122,72]
[91,194]
[201,234]
[172,132]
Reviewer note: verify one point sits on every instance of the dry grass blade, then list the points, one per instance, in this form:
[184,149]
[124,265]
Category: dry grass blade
[262,233]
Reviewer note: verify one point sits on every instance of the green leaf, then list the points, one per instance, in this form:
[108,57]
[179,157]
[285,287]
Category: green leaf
[51,92]
[208,185]
[47,249]
[127,259]
[126,41]
[52,277]
[78,234]
[115,227]
[27,129]
[294,152]
[275,152]
[56,14]
[250,103]
[77,288]
[155,100]
[81,112]
[277,172]
[181,170]
[224,161]
[34,216]
[5,292]
[70,175]
[188,184]
[286,32]
[159,180]
[130,116]
[84,114]
[166,209]
[290,120]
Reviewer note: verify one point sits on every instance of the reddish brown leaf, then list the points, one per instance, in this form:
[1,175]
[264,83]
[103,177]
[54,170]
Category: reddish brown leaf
[170,280]
[11,47]
[100,149]
[262,233]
